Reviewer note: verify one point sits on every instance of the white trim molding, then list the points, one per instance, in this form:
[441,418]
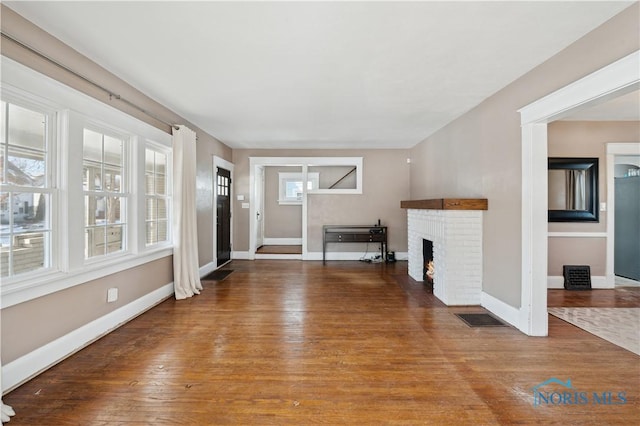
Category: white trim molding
[30,365]
[503,310]
[282,241]
[577,235]
[614,80]
[240,255]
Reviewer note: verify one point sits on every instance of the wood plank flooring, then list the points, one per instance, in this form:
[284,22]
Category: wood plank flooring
[279,249]
[291,342]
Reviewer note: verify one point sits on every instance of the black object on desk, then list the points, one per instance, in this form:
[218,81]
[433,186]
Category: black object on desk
[354,234]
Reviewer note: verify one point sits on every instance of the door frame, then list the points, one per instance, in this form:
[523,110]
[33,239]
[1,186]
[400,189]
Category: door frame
[224,164]
[254,163]
[614,80]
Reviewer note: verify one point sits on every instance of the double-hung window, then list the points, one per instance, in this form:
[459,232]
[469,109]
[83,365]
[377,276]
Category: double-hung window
[105,199]
[26,188]
[156,196]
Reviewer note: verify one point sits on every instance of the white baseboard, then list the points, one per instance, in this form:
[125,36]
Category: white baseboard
[502,310]
[282,241]
[276,256]
[317,255]
[350,255]
[240,255]
[207,269]
[30,365]
[596,282]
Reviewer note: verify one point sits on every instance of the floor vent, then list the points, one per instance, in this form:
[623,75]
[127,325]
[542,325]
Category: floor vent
[481,320]
[577,277]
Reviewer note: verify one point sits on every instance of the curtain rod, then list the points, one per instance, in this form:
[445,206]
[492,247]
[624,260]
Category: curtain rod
[86,79]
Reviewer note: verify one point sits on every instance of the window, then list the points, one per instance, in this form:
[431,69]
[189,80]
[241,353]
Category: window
[157,200]
[104,184]
[25,189]
[73,193]
[290,186]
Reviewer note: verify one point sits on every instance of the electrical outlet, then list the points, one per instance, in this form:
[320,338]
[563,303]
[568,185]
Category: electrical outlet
[112,294]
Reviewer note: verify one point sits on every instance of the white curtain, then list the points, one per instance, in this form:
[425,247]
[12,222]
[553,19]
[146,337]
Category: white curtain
[5,411]
[186,277]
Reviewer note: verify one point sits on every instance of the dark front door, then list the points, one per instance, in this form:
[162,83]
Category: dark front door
[223,215]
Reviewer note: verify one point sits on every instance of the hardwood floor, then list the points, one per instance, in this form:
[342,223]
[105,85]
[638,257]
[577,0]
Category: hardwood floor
[279,249]
[291,342]
[620,297]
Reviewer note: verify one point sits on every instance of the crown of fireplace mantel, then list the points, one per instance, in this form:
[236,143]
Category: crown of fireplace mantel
[446,204]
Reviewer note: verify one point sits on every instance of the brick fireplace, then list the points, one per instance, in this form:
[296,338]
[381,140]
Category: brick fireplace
[454,227]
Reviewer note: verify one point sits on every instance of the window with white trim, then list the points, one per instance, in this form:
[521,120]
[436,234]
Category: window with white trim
[104,185]
[26,188]
[291,185]
[156,196]
[73,188]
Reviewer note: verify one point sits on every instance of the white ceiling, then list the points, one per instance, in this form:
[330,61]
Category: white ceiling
[319,74]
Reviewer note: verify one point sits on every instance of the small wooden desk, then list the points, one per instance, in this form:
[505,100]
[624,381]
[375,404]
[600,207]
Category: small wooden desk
[354,234]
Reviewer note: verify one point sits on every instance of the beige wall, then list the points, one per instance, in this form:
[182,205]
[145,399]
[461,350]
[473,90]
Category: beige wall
[385,184]
[280,221]
[30,325]
[50,317]
[585,139]
[479,154]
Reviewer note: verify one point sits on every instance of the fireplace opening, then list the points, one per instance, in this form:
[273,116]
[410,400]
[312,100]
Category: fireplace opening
[427,259]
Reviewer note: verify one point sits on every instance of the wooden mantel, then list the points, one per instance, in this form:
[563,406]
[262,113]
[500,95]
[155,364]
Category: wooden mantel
[447,204]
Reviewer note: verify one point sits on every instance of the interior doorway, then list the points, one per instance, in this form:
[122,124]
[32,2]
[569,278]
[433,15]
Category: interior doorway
[616,79]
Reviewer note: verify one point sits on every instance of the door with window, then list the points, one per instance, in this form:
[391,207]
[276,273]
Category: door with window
[223,216]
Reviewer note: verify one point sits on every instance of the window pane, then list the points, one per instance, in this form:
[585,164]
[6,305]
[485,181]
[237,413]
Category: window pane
[149,160]
[160,185]
[28,252]
[114,239]
[114,209]
[112,150]
[95,210]
[94,243]
[113,179]
[162,209]
[28,212]
[26,128]
[92,145]
[92,177]
[161,163]
[151,233]
[163,230]
[26,168]
[293,189]
[151,209]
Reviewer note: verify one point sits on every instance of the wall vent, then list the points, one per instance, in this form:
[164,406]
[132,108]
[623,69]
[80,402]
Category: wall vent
[577,277]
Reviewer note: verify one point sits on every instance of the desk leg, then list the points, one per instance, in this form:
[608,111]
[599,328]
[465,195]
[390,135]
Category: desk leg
[324,249]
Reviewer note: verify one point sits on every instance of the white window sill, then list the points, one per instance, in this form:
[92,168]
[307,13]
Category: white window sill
[32,287]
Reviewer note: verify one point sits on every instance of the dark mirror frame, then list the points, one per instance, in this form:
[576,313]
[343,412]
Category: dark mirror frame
[591,213]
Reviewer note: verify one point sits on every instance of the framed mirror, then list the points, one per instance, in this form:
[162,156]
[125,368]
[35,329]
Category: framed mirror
[573,189]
